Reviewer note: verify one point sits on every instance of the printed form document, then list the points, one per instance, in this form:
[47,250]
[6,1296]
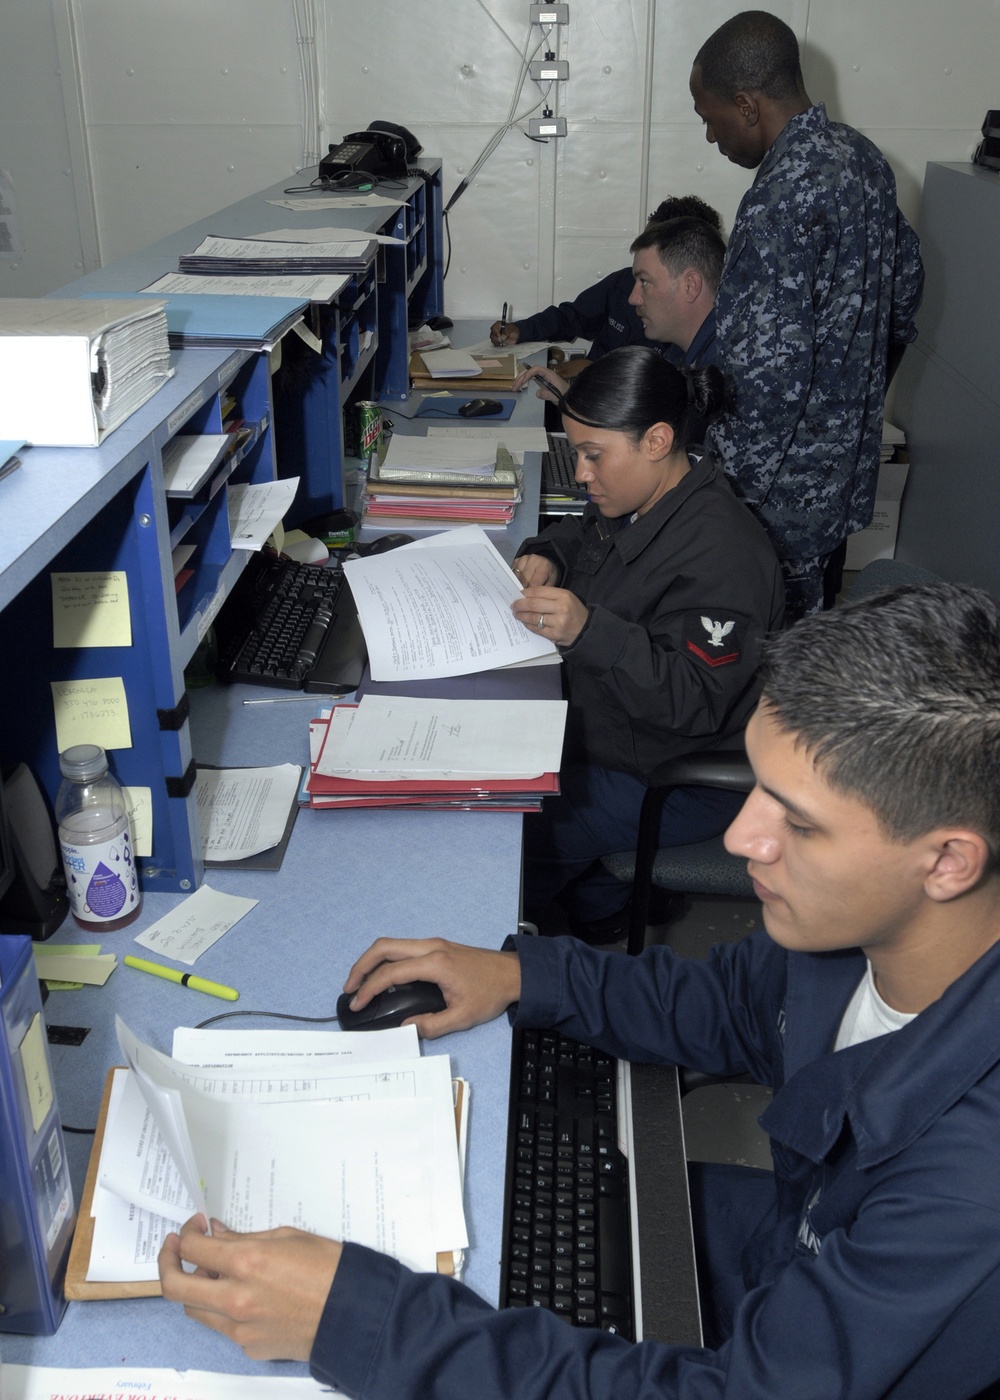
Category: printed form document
[441,607]
[358,1149]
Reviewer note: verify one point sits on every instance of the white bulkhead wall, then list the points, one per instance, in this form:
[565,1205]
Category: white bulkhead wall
[122,120]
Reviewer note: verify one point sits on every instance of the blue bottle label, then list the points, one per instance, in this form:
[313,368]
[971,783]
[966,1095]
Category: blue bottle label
[101,879]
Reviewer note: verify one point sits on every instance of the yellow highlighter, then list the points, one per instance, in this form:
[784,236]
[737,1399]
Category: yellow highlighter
[186,979]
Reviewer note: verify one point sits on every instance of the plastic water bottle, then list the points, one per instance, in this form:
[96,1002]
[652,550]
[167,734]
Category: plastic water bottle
[101,877]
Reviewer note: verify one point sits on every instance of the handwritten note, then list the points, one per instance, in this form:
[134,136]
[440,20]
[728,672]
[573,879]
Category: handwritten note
[91,610]
[195,925]
[139,803]
[35,1067]
[91,712]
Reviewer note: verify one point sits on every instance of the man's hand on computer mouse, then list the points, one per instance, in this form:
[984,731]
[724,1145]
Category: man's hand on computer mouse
[548,384]
[264,1291]
[477,984]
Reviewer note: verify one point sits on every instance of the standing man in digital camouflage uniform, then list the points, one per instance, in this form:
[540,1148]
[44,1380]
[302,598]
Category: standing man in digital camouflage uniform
[821,282]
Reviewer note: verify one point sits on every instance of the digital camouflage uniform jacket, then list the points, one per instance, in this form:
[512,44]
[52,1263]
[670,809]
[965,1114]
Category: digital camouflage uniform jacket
[822,273]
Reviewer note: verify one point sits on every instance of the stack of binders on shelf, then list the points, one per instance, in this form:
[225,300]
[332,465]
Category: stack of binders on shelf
[264,257]
[418,762]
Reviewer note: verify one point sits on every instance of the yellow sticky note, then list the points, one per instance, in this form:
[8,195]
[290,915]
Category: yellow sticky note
[91,609]
[91,712]
[44,951]
[139,801]
[35,1067]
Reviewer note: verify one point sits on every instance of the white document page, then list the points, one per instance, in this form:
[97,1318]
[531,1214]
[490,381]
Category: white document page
[437,739]
[450,364]
[216,247]
[341,200]
[243,811]
[522,349]
[326,235]
[517,441]
[195,924]
[151,1383]
[440,610]
[186,459]
[267,1149]
[317,1050]
[314,286]
[440,455]
[254,511]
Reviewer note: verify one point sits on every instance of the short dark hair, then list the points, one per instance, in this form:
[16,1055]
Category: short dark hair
[632,387]
[897,699]
[686,206]
[752,52]
[685,243]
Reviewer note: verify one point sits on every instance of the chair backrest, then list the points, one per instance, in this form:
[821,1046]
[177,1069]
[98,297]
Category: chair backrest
[887,573]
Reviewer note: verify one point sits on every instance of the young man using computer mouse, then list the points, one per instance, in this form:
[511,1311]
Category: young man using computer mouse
[870,1265]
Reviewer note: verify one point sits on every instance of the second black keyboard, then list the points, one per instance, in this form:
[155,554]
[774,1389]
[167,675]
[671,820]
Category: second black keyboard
[566,1231]
[291,625]
[559,468]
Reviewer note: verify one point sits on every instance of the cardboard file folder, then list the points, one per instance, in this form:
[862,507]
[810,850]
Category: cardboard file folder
[36,1198]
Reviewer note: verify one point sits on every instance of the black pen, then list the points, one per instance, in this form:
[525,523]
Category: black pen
[503,325]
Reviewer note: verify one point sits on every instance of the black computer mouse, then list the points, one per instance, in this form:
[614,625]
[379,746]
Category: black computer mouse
[384,542]
[391,1007]
[480,408]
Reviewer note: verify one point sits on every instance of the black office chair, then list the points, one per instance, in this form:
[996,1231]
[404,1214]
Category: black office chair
[706,867]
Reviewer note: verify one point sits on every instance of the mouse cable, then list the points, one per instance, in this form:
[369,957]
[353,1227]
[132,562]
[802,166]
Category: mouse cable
[67,1129]
[278,1015]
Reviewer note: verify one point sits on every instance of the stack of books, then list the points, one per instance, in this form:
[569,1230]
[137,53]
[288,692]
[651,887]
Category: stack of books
[261,257]
[435,481]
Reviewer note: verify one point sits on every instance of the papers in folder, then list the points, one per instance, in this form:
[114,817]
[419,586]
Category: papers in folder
[326,1138]
[473,755]
[73,370]
[257,256]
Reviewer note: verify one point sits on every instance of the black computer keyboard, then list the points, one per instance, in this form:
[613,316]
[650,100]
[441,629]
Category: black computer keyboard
[558,468]
[566,1231]
[291,625]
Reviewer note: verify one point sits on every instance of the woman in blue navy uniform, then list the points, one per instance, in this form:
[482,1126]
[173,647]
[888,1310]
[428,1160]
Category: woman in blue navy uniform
[658,597]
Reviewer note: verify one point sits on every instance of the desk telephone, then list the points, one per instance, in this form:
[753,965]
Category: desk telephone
[384,149]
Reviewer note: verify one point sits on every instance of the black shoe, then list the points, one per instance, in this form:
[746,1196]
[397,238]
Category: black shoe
[613,928]
[664,906]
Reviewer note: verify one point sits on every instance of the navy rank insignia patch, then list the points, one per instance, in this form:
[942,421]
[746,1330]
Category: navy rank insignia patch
[714,640]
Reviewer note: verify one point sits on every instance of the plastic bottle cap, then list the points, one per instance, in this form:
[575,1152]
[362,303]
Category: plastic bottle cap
[83,763]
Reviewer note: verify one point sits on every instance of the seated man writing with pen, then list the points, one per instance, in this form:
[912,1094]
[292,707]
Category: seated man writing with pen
[606,313]
[867,1267]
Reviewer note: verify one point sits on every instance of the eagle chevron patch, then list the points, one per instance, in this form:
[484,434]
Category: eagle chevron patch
[714,640]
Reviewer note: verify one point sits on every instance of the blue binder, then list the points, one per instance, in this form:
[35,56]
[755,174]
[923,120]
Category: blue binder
[37,1214]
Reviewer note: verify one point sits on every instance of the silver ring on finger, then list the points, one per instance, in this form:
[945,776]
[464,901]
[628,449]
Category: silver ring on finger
[541,621]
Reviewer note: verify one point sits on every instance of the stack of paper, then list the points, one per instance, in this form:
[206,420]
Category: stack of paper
[892,438]
[262,257]
[349,1136]
[476,755]
[72,371]
[310,288]
[489,372]
[443,482]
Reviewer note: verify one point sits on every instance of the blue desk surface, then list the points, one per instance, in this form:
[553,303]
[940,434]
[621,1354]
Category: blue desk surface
[347,877]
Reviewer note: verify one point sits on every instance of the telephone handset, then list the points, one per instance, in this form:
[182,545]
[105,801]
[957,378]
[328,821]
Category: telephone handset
[382,149]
